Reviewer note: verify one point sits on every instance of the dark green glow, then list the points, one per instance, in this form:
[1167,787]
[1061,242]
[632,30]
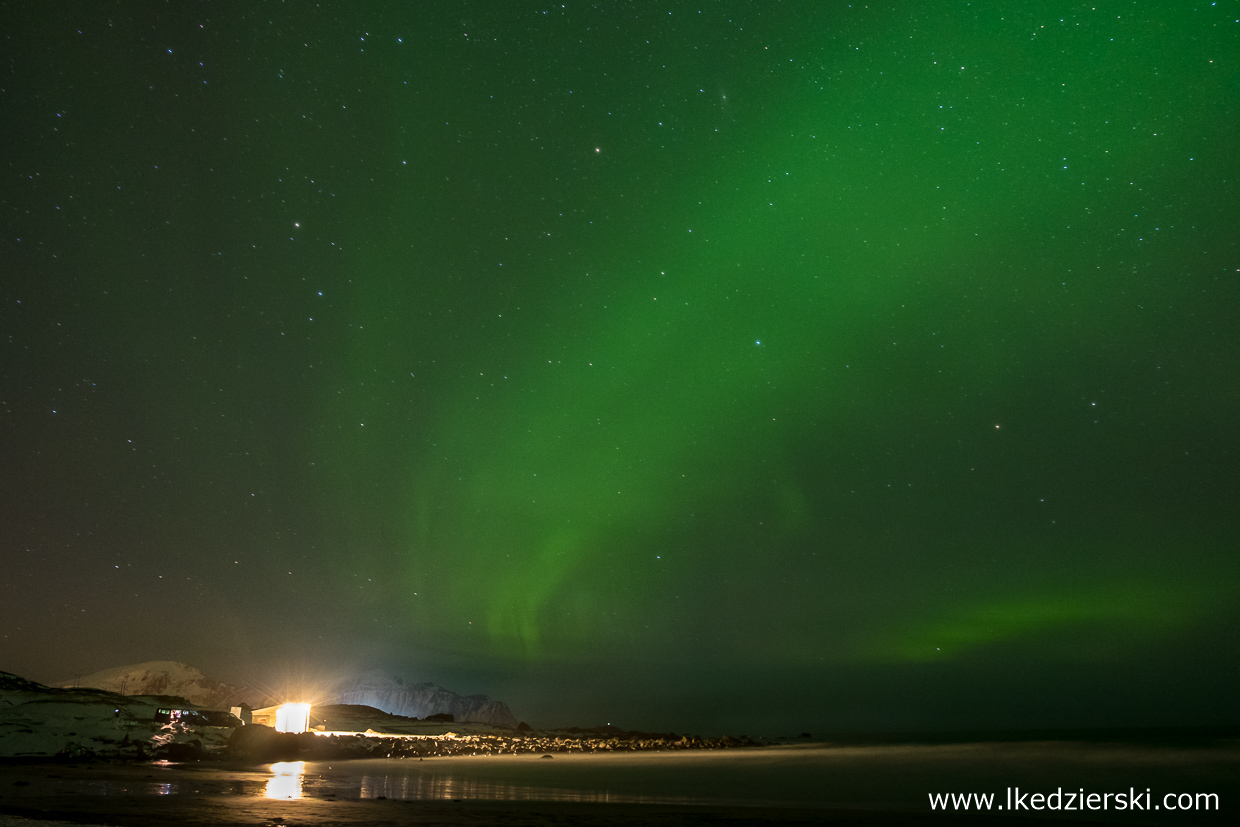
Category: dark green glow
[1095,624]
[871,255]
[767,338]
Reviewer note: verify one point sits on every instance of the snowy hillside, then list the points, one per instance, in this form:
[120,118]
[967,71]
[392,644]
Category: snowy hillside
[165,677]
[42,721]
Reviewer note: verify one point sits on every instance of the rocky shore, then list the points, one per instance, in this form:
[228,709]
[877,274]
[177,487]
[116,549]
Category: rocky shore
[262,744]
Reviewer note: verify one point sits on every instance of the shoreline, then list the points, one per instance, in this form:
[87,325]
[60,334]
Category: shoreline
[261,743]
[128,795]
[210,795]
[776,785]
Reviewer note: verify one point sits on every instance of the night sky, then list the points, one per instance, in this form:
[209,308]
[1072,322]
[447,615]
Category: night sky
[724,365]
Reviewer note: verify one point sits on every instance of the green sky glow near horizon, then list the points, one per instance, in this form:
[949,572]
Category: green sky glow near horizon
[487,342]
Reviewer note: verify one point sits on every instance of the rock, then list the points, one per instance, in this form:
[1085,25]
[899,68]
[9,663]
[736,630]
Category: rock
[257,742]
[191,751]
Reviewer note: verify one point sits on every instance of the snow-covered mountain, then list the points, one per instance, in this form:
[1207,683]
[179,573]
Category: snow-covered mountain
[165,677]
[417,700]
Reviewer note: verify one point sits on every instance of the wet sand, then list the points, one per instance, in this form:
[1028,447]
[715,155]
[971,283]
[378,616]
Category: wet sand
[139,795]
[792,785]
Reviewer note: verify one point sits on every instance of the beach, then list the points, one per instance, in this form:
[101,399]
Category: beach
[130,796]
[814,784]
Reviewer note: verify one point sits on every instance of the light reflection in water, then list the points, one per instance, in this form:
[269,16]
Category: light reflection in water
[285,782]
[447,786]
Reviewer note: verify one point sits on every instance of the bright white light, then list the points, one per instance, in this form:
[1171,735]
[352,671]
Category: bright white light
[285,781]
[293,718]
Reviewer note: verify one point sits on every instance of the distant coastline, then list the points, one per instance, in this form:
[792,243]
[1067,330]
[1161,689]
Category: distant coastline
[83,723]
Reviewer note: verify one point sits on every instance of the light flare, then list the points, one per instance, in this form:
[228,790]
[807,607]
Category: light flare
[293,718]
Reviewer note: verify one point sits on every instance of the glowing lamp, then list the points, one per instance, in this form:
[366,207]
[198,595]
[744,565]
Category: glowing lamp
[292,717]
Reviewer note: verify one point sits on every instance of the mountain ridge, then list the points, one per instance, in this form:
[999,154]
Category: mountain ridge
[397,696]
[165,677]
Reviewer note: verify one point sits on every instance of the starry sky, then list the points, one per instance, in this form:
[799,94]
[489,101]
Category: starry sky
[715,365]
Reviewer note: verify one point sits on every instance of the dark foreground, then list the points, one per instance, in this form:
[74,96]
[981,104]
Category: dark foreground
[74,794]
[810,785]
[129,796]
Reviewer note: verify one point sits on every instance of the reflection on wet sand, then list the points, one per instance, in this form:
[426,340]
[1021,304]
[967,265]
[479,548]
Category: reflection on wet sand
[449,787]
[286,778]
[290,780]
[792,785]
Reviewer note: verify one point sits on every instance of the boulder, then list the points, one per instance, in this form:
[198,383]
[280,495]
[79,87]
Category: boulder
[257,742]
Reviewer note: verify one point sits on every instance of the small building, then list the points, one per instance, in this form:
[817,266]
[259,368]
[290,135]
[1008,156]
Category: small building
[284,718]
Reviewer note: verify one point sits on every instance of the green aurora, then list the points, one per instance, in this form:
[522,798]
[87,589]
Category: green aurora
[500,343]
